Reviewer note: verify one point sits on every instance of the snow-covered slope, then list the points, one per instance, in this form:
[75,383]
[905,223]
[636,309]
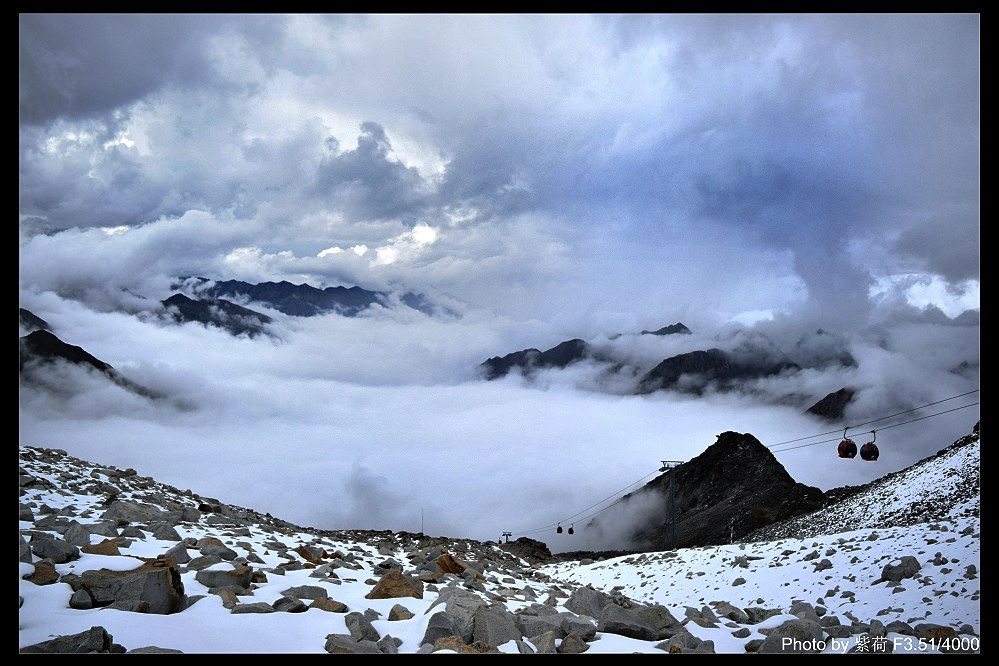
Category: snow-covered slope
[944,485]
[690,600]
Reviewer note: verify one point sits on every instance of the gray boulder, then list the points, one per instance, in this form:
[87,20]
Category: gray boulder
[494,626]
[440,625]
[256,607]
[573,644]
[907,568]
[56,550]
[587,601]
[625,622]
[360,627]
[155,587]
[757,614]
[793,637]
[122,513]
[240,576]
[94,640]
[347,644]
[535,625]
[399,612]
[460,605]
[289,605]
[725,609]
[179,553]
[165,532]
[311,592]
[203,562]
[660,619]
[574,624]
[544,643]
[77,534]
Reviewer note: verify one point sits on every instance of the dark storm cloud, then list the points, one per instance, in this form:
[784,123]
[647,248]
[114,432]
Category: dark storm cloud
[82,65]
[365,183]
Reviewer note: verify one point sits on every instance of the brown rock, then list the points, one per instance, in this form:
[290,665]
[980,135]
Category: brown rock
[396,584]
[106,547]
[454,644]
[448,564]
[329,605]
[45,574]
[314,555]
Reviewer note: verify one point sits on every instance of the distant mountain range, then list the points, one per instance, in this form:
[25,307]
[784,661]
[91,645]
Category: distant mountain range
[754,357]
[42,348]
[299,300]
[216,312]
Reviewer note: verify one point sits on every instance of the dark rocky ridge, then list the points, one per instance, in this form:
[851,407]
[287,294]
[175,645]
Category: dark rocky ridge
[673,329]
[559,356]
[41,348]
[31,322]
[833,406]
[692,371]
[731,489]
[216,312]
[300,300]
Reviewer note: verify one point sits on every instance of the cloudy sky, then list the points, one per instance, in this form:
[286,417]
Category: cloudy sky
[544,177]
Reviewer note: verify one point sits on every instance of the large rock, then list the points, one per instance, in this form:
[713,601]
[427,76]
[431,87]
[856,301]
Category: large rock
[255,607]
[306,592]
[448,564]
[77,534]
[347,644]
[461,606]
[493,625]
[105,547]
[240,576]
[536,625]
[794,637]
[156,587]
[544,643]
[122,513]
[94,640]
[399,612]
[573,644]
[361,628]
[329,605]
[625,622]
[56,550]
[440,625]
[396,584]
[660,619]
[587,601]
[289,605]
[907,568]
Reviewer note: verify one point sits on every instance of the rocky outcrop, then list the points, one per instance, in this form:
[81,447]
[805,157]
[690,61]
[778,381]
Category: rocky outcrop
[693,371]
[95,640]
[40,348]
[216,312]
[154,587]
[673,329]
[527,360]
[833,406]
[300,300]
[396,584]
[29,321]
[734,487]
